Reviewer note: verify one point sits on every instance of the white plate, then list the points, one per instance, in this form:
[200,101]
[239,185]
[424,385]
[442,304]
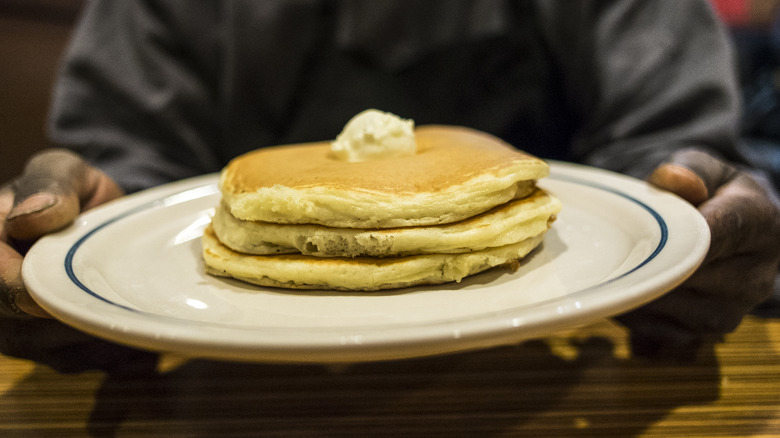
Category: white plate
[131,272]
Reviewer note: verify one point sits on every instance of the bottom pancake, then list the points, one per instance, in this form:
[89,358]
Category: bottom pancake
[297,271]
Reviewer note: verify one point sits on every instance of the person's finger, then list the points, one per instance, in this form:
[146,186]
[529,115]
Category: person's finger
[53,189]
[46,195]
[692,174]
[6,204]
[681,181]
[14,298]
[738,283]
[742,219]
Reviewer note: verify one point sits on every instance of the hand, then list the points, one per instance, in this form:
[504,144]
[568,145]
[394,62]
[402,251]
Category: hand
[740,267]
[54,188]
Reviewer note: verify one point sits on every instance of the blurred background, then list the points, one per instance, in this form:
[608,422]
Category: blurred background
[34,33]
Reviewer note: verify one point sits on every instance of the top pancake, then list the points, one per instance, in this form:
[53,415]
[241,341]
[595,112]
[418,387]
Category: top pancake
[456,173]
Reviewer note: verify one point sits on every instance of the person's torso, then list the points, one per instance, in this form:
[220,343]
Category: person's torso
[297,71]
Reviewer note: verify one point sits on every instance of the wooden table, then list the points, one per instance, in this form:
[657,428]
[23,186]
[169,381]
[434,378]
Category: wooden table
[577,383]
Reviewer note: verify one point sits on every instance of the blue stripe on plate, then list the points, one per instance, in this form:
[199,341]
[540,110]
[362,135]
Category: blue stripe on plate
[658,218]
[176,198]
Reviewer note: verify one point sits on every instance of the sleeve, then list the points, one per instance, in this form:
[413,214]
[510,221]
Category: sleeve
[645,78]
[137,94]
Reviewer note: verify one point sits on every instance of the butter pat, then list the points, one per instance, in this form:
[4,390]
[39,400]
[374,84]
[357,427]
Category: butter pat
[374,135]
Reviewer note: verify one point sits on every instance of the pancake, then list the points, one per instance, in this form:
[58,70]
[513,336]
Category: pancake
[505,224]
[382,207]
[297,271]
[456,173]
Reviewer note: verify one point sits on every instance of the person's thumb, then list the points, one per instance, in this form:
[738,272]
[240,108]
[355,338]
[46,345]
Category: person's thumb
[693,175]
[54,188]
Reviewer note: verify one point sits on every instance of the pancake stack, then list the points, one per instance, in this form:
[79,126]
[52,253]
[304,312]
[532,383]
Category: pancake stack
[297,217]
